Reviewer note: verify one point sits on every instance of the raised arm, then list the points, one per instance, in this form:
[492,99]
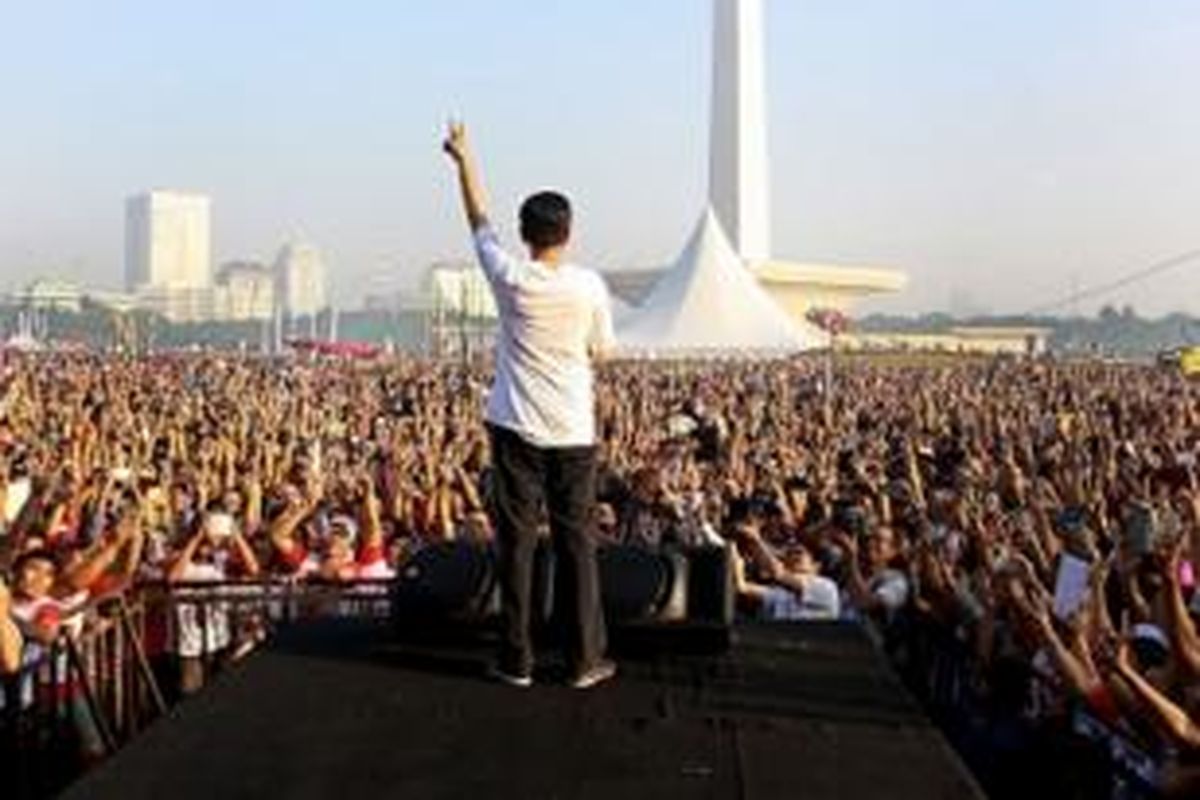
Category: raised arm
[1185,640]
[767,563]
[282,531]
[745,587]
[97,561]
[1168,717]
[10,635]
[181,564]
[470,182]
[372,517]
[133,538]
[245,555]
[857,586]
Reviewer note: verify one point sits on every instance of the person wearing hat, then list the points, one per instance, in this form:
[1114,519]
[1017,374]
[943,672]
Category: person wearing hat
[348,552]
[354,556]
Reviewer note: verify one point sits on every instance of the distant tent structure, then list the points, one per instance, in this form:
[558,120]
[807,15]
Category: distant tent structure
[710,304]
[621,310]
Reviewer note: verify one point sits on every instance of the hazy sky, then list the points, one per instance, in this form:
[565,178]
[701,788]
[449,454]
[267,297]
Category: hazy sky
[1001,151]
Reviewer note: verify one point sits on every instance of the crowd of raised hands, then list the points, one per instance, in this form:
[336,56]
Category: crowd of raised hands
[1037,513]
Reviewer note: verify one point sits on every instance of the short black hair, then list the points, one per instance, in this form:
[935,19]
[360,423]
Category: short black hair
[546,220]
[40,554]
[742,511]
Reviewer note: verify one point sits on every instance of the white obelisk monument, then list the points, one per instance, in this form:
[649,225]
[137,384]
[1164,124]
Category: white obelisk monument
[726,291]
[739,190]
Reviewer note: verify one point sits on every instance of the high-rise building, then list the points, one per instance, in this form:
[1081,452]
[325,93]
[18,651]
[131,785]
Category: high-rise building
[739,186]
[300,280]
[461,290]
[246,290]
[168,245]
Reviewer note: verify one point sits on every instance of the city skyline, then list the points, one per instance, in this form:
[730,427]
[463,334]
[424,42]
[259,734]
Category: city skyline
[1003,155]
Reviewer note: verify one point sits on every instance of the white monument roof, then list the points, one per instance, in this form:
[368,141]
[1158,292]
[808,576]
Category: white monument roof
[709,303]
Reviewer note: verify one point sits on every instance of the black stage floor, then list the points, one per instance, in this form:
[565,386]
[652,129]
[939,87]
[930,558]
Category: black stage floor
[346,712]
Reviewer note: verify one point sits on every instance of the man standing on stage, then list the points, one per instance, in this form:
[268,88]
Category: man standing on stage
[555,319]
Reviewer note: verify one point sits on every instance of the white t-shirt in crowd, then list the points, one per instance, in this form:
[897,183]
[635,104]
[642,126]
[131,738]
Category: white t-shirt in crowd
[201,627]
[890,587]
[549,319]
[819,601]
[15,498]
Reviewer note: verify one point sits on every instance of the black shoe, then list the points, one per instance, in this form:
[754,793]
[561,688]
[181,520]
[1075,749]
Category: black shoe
[516,680]
[598,673]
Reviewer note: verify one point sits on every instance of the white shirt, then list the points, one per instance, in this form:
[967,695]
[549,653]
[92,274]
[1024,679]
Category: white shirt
[891,588]
[15,499]
[549,318]
[201,627]
[819,601]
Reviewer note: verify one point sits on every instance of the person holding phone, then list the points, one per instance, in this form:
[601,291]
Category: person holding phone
[876,575]
[555,319]
[792,587]
[203,628]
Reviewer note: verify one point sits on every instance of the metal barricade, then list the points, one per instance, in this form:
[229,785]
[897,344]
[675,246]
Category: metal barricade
[76,699]
[210,625]
[79,698]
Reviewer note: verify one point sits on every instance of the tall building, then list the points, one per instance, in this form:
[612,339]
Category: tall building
[300,280]
[168,242]
[246,290]
[461,290]
[739,186]
[462,312]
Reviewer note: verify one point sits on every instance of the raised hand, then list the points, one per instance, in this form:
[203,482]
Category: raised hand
[1105,652]
[471,183]
[847,544]
[1123,655]
[455,144]
[128,526]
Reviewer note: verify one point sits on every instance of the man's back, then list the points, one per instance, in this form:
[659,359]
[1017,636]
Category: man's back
[552,317]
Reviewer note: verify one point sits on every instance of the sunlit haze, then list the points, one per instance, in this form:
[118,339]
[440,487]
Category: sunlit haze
[1002,152]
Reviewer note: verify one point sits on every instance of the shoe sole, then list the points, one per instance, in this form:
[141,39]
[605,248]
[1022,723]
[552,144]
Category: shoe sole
[514,681]
[593,680]
[518,683]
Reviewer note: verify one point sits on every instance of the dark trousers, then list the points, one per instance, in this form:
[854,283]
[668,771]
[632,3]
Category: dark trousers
[524,475]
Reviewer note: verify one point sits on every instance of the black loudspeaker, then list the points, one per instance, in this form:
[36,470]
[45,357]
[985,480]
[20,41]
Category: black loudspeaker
[712,593]
[639,586]
[649,594]
[458,582]
[450,581]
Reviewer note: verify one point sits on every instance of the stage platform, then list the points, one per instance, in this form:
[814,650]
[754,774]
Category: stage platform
[345,711]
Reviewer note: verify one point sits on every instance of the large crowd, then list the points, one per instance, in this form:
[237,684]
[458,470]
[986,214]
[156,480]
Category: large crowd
[1036,524]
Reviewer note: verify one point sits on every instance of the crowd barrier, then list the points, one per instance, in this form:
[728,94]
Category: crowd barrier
[79,698]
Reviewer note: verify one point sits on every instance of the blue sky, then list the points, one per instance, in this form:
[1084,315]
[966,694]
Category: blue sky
[1001,151]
